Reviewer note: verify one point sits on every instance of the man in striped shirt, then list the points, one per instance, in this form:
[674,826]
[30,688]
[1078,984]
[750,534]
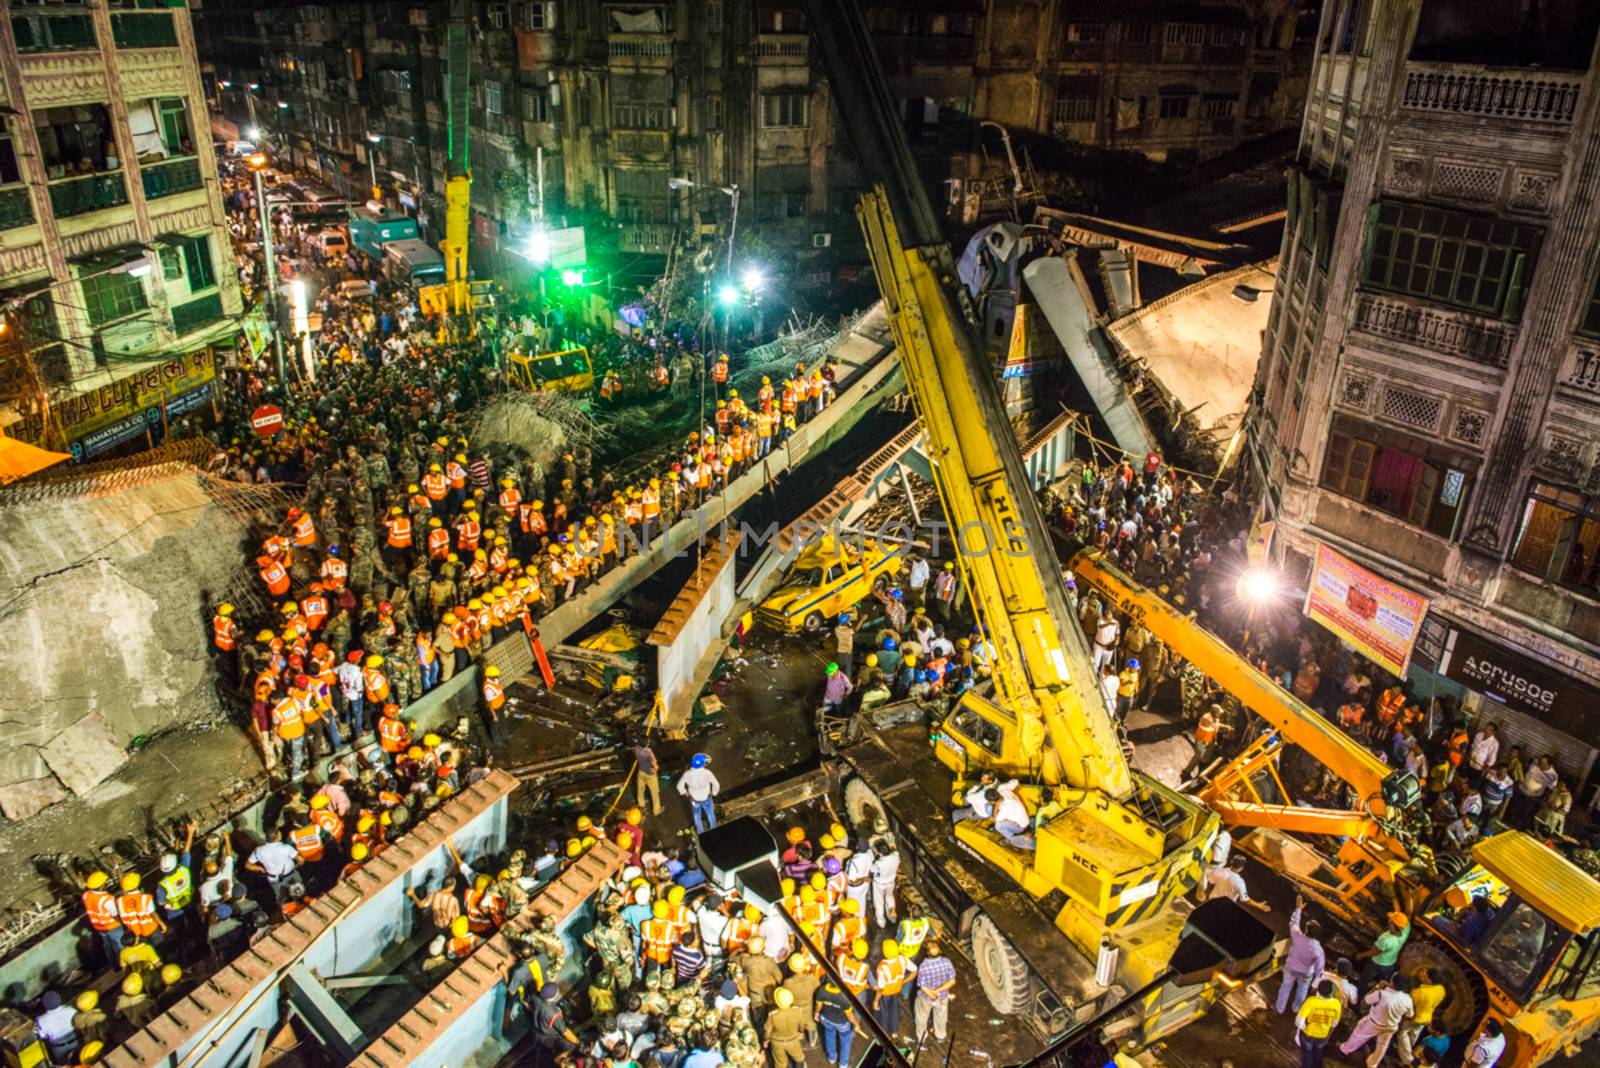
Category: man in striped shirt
[478,471]
[687,959]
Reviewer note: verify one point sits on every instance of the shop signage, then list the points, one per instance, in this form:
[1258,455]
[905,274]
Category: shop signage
[1378,618]
[110,407]
[1523,684]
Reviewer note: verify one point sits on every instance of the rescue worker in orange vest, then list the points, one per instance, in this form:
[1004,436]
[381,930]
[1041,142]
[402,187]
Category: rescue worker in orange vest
[481,910]
[326,819]
[888,979]
[438,540]
[1391,703]
[848,927]
[307,840]
[719,372]
[462,940]
[1205,741]
[393,734]
[1351,715]
[468,531]
[359,853]
[100,908]
[435,487]
[314,607]
[740,930]
[659,376]
[375,681]
[427,660]
[274,575]
[677,912]
[852,966]
[723,418]
[509,498]
[494,700]
[302,529]
[398,540]
[656,937]
[333,570]
[288,719]
[224,642]
[137,910]
[455,472]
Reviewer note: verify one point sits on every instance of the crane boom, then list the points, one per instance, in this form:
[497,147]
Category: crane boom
[458,173]
[1042,667]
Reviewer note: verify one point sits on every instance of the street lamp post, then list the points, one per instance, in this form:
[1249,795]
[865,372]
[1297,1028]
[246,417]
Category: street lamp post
[250,106]
[258,163]
[372,163]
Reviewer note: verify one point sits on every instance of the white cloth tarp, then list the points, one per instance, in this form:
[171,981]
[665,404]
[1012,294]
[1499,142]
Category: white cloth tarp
[146,130]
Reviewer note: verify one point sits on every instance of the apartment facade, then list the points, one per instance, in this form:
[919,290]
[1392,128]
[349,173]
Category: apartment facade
[584,109]
[116,271]
[1428,401]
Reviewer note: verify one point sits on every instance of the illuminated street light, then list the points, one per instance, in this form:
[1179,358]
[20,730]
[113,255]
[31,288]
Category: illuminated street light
[539,246]
[253,133]
[752,280]
[572,278]
[727,296]
[1258,586]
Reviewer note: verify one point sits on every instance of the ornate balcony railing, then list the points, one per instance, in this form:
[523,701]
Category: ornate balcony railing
[92,192]
[1539,96]
[16,208]
[172,176]
[1452,333]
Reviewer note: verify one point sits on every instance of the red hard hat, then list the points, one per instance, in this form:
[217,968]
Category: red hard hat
[385,607]
[302,681]
[355,657]
[294,513]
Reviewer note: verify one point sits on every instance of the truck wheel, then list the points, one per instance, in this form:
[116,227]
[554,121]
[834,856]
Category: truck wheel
[1467,1000]
[862,808]
[1002,972]
[813,623]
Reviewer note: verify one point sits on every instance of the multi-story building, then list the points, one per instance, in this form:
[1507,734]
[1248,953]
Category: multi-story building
[116,272]
[1428,402]
[587,108]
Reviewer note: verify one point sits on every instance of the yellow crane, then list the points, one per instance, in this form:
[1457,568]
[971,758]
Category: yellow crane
[1109,868]
[1535,968]
[453,297]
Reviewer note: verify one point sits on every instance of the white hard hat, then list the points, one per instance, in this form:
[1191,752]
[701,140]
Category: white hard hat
[436,947]
[169,863]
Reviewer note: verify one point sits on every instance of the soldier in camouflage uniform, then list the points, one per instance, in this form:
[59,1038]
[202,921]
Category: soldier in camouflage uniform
[1192,684]
[417,592]
[612,943]
[544,937]
[742,1048]
[654,1001]
[378,471]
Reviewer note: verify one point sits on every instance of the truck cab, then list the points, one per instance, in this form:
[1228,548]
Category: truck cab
[410,261]
[829,577]
[563,371]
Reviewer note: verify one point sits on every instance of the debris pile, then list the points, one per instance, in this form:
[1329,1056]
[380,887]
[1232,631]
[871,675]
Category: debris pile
[539,426]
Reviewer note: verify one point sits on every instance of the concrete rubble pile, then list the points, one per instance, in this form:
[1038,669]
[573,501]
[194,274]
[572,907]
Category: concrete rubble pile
[539,426]
[105,583]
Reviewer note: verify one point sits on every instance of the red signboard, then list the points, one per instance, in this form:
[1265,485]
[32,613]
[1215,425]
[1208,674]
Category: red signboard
[266,420]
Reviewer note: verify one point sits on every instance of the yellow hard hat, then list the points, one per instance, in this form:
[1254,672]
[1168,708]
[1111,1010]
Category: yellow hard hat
[133,985]
[675,895]
[413,488]
[91,1051]
[574,847]
[891,949]
[450,618]
[359,851]
[375,660]
[435,522]
[783,997]
[97,879]
[130,882]
[635,816]
[397,510]
[858,948]
[492,672]
[624,840]
[585,823]
[170,974]
[481,883]
[910,660]
[290,608]
[840,835]
[659,910]
[851,906]
[787,886]
[88,1000]
[808,895]
[474,604]
[459,926]
[414,753]
[872,660]
[798,962]
[224,609]
[819,881]
[435,468]
[432,741]
[751,913]
[320,801]
[365,823]
[826,841]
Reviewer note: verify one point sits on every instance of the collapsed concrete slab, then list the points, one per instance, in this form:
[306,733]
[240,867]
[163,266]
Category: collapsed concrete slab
[107,582]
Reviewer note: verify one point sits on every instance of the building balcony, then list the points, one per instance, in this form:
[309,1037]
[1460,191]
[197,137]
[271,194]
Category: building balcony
[187,318]
[53,31]
[789,47]
[1437,330]
[92,192]
[173,176]
[16,208]
[1482,92]
[1580,373]
[644,237]
[639,47]
[144,29]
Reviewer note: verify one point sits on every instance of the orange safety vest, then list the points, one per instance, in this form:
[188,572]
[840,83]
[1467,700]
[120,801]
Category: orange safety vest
[739,933]
[333,572]
[328,820]
[719,371]
[438,543]
[307,841]
[651,499]
[1391,703]
[138,913]
[286,717]
[224,633]
[399,532]
[101,908]
[483,910]
[814,914]
[393,734]
[1350,715]
[435,486]
[315,609]
[493,695]
[846,929]
[276,578]
[509,499]
[377,685]
[656,935]
[853,972]
[305,531]
[467,536]
[426,654]
[461,946]
[456,474]
[1203,734]
[891,975]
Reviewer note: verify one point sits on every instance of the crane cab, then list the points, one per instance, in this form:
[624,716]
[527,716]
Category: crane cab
[1515,937]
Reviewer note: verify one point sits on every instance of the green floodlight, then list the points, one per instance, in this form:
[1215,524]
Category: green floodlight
[727,296]
[572,278]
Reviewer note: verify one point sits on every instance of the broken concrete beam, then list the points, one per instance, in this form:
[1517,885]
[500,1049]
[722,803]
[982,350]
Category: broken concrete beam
[20,800]
[85,754]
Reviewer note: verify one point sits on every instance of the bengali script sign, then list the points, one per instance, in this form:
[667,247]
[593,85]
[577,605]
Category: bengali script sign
[1378,618]
[82,413]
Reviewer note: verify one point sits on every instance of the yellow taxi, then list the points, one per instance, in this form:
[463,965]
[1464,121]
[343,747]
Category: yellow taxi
[830,576]
[566,371]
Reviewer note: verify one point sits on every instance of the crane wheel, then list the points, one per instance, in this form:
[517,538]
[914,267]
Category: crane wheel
[862,808]
[1001,970]
[1466,999]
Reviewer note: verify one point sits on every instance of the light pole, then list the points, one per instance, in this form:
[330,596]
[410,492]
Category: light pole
[258,163]
[372,163]
[250,106]
[731,191]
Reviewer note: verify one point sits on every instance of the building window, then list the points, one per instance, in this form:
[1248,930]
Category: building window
[640,116]
[642,196]
[776,206]
[10,173]
[197,262]
[585,107]
[713,16]
[1137,33]
[1217,106]
[396,86]
[1175,107]
[1471,261]
[493,97]
[539,15]
[781,20]
[1225,36]
[1591,312]
[76,139]
[784,110]
[498,16]
[1074,109]
[714,111]
[1086,32]
[1559,538]
[1182,33]
[1395,475]
[112,295]
[536,103]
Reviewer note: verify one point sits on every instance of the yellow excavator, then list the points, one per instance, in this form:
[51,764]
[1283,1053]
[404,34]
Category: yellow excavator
[1086,917]
[1535,967]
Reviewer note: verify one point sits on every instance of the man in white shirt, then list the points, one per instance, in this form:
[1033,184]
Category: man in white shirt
[1011,819]
[917,580]
[1389,1006]
[1106,632]
[775,933]
[712,922]
[1221,847]
[1486,1050]
[1485,751]
[1228,881]
[978,806]
[701,787]
[885,870]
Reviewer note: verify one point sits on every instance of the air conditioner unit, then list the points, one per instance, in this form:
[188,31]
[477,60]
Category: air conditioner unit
[821,240]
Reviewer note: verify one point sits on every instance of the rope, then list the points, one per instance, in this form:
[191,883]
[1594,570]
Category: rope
[649,727]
